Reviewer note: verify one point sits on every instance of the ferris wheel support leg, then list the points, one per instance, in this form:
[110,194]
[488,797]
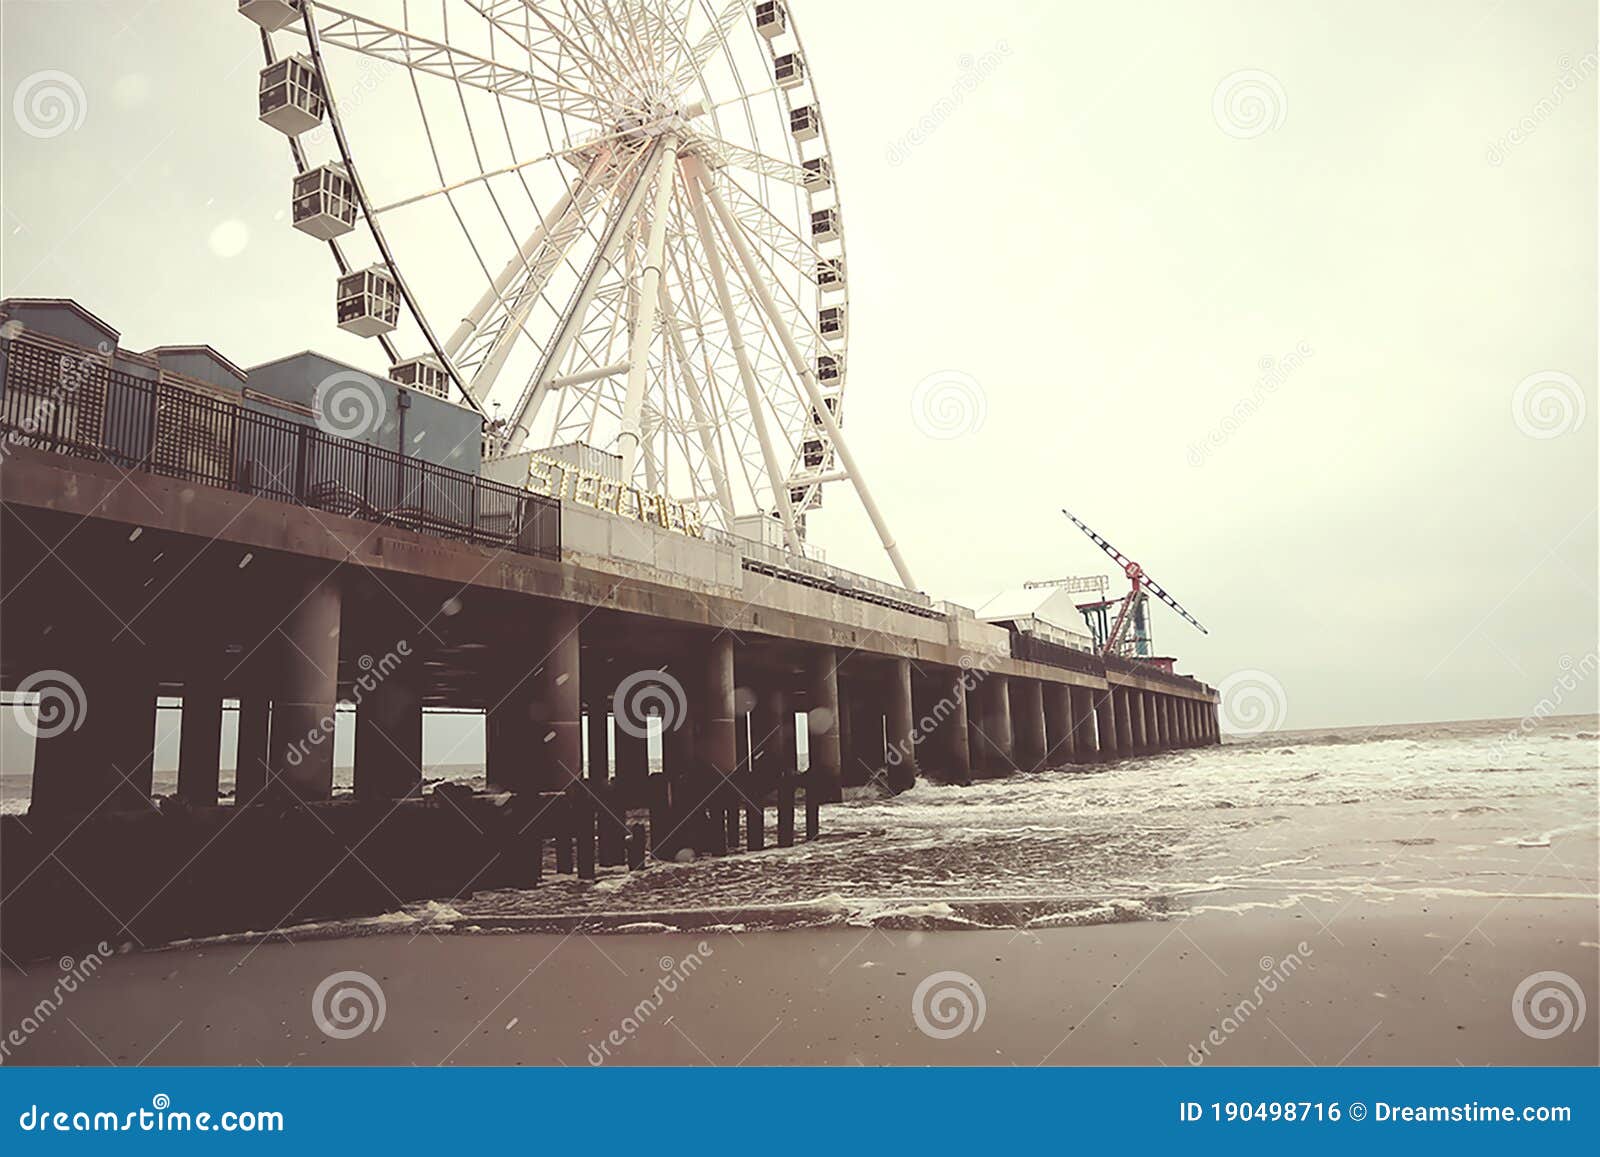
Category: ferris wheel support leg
[808,379]
[572,320]
[649,305]
[497,288]
[776,474]
[697,405]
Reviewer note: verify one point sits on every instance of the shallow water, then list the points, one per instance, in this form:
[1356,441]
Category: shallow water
[1294,818]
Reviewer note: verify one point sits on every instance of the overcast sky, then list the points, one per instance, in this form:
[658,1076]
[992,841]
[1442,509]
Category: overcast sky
[1295,303]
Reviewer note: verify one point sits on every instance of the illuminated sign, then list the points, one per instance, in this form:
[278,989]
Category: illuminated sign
[562,480]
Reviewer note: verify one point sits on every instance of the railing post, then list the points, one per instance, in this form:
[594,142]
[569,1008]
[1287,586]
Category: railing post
[155,410]
[301,466]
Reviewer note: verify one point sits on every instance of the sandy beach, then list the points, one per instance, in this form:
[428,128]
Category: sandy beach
[1413,982]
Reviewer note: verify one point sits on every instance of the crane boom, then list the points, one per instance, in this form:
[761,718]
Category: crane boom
[1141,584]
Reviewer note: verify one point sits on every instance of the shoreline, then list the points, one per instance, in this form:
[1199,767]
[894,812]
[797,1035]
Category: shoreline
[1410,981]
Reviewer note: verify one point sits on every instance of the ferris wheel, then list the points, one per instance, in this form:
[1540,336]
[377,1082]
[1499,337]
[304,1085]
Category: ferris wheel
[612,223]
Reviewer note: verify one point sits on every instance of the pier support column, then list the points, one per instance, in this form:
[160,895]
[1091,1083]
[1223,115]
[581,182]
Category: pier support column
[557,701]
[633,760]
[1105,718]
[96,750]
[200,729]
[1086,745]
[993,746]
[1027,721]
[303,711]
[946,750]
[599,685]
[901,727]
[822,725]
[389,727]
[1124,717]
[250,759]
[1163,728]
[773,754]
[1213,722]
[1061,745]
[718,745]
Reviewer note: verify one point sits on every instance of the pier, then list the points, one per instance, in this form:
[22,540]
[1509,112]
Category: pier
[164,535]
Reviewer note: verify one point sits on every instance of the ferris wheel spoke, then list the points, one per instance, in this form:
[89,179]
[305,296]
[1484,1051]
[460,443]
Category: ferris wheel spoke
[622,45]
[719,152]
[484,336]
[571,323]
[725,423]
[697,404]
[714,37]
[498,15]
[371,38]
[807,377]
[710,248]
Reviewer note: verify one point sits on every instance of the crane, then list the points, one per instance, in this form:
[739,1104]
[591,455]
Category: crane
[1141,585]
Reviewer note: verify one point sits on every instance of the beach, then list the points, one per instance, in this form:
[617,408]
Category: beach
[1402,895]
[1413,983]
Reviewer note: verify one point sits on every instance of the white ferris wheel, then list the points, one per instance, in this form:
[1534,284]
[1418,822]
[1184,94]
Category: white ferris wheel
[608,222]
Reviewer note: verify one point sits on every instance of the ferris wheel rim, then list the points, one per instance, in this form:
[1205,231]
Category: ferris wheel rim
[773,211]
[723,28]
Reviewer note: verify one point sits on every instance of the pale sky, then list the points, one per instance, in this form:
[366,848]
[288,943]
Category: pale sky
[1093,246]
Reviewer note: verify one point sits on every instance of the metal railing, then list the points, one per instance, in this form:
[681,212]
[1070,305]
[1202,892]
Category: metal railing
[78,403]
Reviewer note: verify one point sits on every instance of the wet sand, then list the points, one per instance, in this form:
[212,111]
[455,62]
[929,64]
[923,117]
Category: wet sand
[1411,981]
